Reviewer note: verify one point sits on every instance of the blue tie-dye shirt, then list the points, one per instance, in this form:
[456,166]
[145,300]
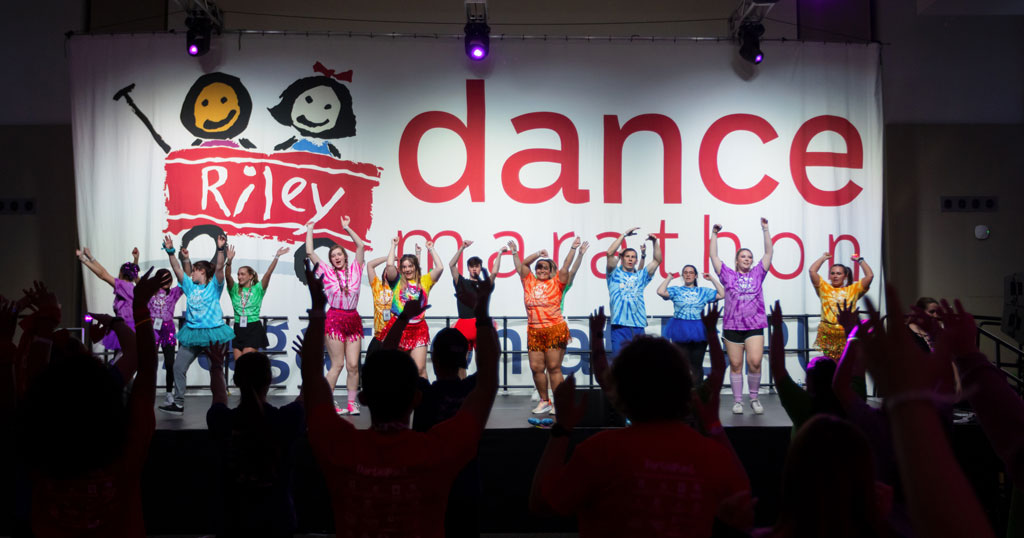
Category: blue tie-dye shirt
[626,294]
[689,301]
[202,303]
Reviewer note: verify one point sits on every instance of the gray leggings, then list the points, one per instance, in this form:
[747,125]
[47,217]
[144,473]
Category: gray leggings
[184,358]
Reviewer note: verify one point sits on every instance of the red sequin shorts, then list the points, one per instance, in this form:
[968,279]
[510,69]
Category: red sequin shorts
[415,335]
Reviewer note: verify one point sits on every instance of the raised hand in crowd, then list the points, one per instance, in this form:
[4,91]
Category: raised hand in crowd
[847,316]
[940,503]
[708,394]
[998,407]
[409,312]
[598,355]
[315,390]
[127,359]
[8,357]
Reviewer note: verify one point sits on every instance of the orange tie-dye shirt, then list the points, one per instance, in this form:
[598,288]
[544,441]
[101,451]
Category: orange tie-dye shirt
[381,305]
[543,300]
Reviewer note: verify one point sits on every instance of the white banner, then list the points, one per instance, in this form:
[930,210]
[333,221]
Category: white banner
[542,142]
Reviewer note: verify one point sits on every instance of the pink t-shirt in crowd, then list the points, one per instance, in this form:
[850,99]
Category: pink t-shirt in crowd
[341,285]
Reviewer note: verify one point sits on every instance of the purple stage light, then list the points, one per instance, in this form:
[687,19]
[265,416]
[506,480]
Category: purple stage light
[88,318]
[478,40]
[193,50]
[758,58]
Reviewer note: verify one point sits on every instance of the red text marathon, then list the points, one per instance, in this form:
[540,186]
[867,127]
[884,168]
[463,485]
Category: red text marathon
[472,131]
[788,261]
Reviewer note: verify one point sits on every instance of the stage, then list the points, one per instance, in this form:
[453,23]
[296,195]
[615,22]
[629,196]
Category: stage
[510,412]
[180,490]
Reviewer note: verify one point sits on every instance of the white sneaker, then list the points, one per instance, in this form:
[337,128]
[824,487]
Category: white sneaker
[737,408]
[169,398]
[543,407]
[757,407]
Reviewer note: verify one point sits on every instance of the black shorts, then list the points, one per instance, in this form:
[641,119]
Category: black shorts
[253,335]
[739,337]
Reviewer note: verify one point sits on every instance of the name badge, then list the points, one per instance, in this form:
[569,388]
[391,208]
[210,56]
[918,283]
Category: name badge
[157,323]
[243,322]
[385,315]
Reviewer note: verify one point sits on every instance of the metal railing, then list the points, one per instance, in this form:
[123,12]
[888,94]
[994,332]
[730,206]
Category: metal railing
[1008,355]
[803,348]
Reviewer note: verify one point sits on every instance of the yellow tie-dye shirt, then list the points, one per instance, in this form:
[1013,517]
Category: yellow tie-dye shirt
[832,298]
[831,338]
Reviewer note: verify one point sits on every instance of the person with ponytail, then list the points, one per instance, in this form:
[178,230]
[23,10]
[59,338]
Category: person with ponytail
[344,326]
[246,299]
[838,290]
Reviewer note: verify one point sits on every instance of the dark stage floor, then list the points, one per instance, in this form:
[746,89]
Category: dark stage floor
[180,487]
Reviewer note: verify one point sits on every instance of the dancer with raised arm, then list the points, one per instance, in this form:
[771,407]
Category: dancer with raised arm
[744,319]
[838,290]
[381,292]
[547,334]
[466,288]
[161,309]
[204,320]
[412,285]
[246,300]
[685,328]
[344,327]
[124,291]
[572,270]
[626,283]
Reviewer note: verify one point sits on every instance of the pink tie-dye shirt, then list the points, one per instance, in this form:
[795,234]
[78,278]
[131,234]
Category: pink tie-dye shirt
[342,285]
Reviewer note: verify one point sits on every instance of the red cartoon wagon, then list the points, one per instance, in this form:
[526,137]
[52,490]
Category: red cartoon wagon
[214,190]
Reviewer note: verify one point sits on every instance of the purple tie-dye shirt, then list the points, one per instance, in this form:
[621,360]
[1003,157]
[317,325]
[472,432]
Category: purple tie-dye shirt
[744,298]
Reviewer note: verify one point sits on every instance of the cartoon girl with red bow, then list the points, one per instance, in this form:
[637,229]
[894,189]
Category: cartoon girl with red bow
[320,109]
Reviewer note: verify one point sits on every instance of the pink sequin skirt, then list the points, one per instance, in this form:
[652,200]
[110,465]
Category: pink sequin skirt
[343,325]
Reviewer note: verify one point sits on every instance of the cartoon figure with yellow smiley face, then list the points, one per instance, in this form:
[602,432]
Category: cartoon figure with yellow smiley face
[216,110]
[320,109]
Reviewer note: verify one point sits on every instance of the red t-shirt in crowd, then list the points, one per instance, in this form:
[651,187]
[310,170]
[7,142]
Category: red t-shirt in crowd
[394,483]
[105,503]
[656,479]
[102,503]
